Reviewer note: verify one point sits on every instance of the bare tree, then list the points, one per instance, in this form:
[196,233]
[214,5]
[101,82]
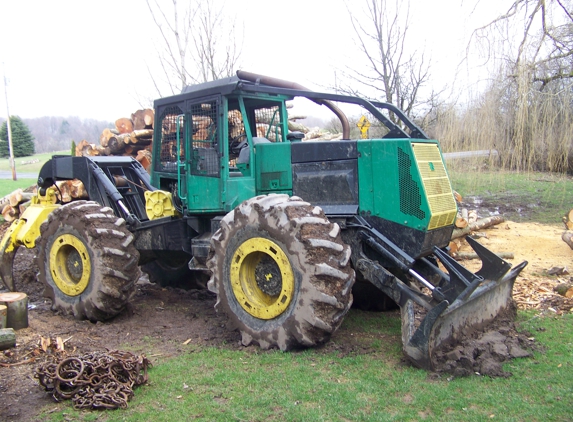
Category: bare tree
[545,38]
[393,73]
[533,40]
[199,42]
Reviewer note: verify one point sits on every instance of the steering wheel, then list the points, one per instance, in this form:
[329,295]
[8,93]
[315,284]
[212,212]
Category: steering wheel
[237,143]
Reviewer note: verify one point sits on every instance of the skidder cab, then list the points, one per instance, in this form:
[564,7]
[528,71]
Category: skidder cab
[287,230]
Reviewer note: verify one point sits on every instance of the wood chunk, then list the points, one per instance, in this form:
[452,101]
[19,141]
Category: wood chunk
[117,143]
[85,149]
[124,125]
[454,247]
[71,189]
[148,118]
[143,119]
[78,190]
[80,147]
[17,304]
[472,216]
[140,136]
[471,255]
[568,220]
[568,238]
[480,224]
[3,315]
[144,157]
[104,138]
[23,206]
[9,213]
[7,338]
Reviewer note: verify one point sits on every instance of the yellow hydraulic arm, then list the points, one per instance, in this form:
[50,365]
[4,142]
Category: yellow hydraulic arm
[24,232]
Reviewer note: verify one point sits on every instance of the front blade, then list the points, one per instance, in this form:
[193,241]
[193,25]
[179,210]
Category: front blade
[444,325]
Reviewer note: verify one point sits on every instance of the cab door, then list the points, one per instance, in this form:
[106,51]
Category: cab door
[203,155]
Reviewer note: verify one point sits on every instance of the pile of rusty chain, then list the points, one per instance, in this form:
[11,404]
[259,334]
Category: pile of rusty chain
[98,380]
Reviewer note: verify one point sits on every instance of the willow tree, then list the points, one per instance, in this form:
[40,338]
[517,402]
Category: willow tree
[533,41]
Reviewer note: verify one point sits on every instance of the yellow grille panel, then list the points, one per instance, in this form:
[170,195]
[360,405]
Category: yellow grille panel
[436,184]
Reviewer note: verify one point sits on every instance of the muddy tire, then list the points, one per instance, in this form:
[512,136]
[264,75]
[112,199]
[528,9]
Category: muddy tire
[281,272]
[87,261]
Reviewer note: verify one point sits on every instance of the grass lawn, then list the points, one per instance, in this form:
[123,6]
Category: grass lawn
[218,384]
[540,197]
[31,164]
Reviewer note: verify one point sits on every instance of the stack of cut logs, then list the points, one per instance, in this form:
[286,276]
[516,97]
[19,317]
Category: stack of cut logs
[14,204]
[467,222]
[131,136]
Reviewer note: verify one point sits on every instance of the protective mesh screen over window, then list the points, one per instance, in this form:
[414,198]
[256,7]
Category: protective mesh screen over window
[237,134]
[168,153]
[268,121]
[205,153]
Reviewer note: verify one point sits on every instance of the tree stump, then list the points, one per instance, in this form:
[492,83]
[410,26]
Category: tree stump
[568,238]
[7,338]
[3,316]
[17,304]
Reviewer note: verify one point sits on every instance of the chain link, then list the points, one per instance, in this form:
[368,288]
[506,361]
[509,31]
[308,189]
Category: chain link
[97,380]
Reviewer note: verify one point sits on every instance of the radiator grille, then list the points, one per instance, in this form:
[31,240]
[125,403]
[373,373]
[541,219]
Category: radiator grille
[436,183]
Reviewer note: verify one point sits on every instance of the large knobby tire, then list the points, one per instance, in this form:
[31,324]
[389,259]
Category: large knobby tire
[87,261]
[281,272]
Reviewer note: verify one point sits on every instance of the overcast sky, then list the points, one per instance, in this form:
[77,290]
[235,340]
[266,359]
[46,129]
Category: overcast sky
[90,59]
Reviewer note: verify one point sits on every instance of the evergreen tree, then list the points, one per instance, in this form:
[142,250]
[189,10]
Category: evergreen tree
[22,139]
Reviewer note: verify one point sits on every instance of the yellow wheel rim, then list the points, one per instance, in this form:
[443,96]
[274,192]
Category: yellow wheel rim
[70,265]
[262,278]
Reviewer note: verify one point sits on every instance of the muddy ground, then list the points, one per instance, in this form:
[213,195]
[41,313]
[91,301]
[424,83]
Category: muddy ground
[160,320]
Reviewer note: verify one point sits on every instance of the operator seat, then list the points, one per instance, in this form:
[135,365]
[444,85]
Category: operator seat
[245,152]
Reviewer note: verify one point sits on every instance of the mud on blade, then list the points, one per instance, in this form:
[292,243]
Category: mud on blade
[472,310]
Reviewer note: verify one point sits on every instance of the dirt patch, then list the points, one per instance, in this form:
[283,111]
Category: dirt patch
[157,323]
[160,320]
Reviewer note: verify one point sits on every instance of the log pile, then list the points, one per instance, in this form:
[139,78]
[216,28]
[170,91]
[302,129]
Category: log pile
[131,137]
[468,223]
[14,204]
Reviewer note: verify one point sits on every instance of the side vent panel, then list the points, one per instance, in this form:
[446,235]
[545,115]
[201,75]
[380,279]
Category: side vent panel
[441,201]
[410,199]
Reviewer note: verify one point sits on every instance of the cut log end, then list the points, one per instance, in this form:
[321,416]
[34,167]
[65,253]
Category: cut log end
[17,309]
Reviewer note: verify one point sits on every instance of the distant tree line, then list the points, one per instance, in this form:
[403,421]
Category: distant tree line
[51,133]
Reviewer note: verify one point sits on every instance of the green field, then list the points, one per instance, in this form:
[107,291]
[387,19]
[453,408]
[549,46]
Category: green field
[23,165]
[226,384]
[525,196]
